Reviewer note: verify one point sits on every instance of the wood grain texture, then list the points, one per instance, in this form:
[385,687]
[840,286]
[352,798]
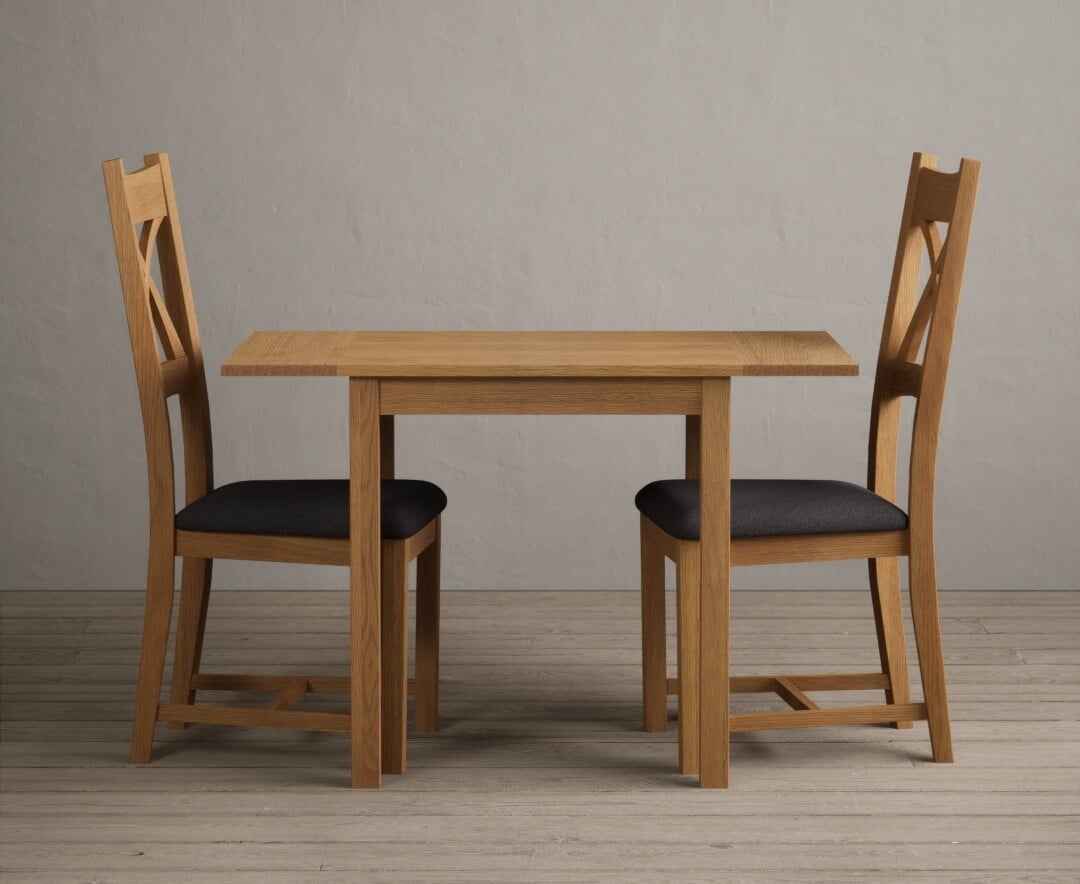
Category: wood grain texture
[536,354]
[937,194]
[653,631]
[422,539]
[540,396]
[126,209]
[959,192]
[176,376]
[263,548]
[889,625]
[365,639]
[180,304]
[209,681]
[146,224]
[688,616]
[932,197]
[289,695]
[818,547]
[550,373]
[715,592]
[793,695]
[241,715]
[145,194]
[814,717]
[394,618]
[195,582]
[428,592]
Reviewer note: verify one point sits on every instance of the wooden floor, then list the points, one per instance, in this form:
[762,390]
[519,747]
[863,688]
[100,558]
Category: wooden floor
[541,771]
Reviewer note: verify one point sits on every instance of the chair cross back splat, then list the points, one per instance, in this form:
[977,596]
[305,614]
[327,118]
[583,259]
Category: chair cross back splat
[789,521]
[276,521]
[920,324]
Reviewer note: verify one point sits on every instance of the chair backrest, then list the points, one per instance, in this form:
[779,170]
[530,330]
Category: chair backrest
[142,208]
[917,338]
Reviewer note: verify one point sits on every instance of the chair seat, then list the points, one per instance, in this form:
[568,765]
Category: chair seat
[772,507]
[309,508]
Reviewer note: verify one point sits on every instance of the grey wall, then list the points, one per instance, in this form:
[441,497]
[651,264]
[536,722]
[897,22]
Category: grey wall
[538,165]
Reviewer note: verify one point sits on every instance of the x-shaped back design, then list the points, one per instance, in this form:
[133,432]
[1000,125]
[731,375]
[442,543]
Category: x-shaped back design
[163,322]
[924,310]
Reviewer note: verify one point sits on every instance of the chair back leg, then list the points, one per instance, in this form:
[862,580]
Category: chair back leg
[395,653]
[688,600]
[653,631]
[426,696]
[926,620]
[889,619]
[155,638]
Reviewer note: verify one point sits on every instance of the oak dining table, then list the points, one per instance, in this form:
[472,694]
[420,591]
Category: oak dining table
[685,373]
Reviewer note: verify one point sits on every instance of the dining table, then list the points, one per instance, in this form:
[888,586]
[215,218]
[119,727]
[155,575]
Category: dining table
[685,373]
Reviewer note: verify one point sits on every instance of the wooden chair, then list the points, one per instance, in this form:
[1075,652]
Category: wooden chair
[781,521]
[273,521]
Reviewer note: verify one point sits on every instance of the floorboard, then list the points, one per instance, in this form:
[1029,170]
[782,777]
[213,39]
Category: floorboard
[540,772]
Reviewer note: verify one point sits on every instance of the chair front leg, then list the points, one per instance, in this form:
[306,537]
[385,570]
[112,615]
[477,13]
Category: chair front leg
[155,638]
[889,619]
[426,696]
[190,627]
[653,631]
[395,653]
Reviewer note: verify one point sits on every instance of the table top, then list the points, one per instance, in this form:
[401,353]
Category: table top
[538,354]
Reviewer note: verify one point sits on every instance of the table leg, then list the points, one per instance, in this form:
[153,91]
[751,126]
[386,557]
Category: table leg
[715,545]
[364,584]
[688,592]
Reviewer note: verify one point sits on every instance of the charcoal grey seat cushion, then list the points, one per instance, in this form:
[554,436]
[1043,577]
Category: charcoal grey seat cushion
[309,508]
[772,508]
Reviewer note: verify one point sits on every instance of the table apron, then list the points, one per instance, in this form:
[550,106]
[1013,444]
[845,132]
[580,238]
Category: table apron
[575,395]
